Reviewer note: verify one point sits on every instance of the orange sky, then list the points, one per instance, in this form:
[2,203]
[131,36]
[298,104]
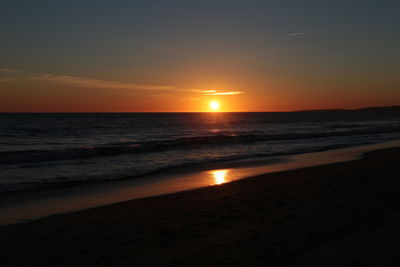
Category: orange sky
[177,56]
[38,92]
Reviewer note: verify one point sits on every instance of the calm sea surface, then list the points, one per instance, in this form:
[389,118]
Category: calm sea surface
[50,150]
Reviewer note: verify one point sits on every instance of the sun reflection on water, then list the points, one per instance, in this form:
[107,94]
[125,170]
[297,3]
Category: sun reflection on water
[219,176]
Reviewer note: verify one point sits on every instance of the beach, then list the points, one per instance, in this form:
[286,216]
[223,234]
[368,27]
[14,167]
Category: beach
[342,214]
[200,133]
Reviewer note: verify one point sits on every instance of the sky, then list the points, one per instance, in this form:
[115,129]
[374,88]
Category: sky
[177,56]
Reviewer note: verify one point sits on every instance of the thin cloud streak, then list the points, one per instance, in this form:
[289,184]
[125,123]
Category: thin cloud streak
[299,33]
[5,70]
[97,83]
[200,91]
[215,92]
[66,80]
[225,93]
[76,81]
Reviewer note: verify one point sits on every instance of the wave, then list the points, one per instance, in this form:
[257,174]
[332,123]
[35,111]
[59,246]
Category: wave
[132,173]
[64,181]
[30,156]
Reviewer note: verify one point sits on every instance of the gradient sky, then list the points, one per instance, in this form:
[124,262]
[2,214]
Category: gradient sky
[156,56]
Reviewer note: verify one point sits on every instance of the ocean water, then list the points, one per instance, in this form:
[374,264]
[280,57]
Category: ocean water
[54,150]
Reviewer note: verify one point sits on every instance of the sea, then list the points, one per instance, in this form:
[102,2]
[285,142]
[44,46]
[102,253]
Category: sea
[39,151]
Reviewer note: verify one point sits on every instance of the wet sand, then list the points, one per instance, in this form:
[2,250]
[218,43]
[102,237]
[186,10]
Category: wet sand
[31,205]
[342,214]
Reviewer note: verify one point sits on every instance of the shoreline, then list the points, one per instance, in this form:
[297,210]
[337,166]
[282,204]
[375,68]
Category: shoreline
[28,206]
[288,218]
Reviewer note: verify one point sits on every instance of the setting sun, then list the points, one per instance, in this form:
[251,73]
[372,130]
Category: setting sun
[214,105]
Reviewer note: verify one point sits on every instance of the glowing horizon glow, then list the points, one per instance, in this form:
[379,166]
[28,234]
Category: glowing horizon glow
[219,176]
[214,105]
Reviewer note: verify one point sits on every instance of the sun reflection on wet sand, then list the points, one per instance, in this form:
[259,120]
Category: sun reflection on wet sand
[220,176]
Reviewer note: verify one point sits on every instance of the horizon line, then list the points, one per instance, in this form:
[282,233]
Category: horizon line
[158,112]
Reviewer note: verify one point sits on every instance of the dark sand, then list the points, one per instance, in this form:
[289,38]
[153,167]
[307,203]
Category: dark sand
[344,214]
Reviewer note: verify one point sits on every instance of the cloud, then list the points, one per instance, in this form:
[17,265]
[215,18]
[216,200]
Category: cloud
[67,80]
[97,83]
[10,75]
[7,75]
[200,91]
[299,33]
[215,92]
[2,70]
[225,93]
